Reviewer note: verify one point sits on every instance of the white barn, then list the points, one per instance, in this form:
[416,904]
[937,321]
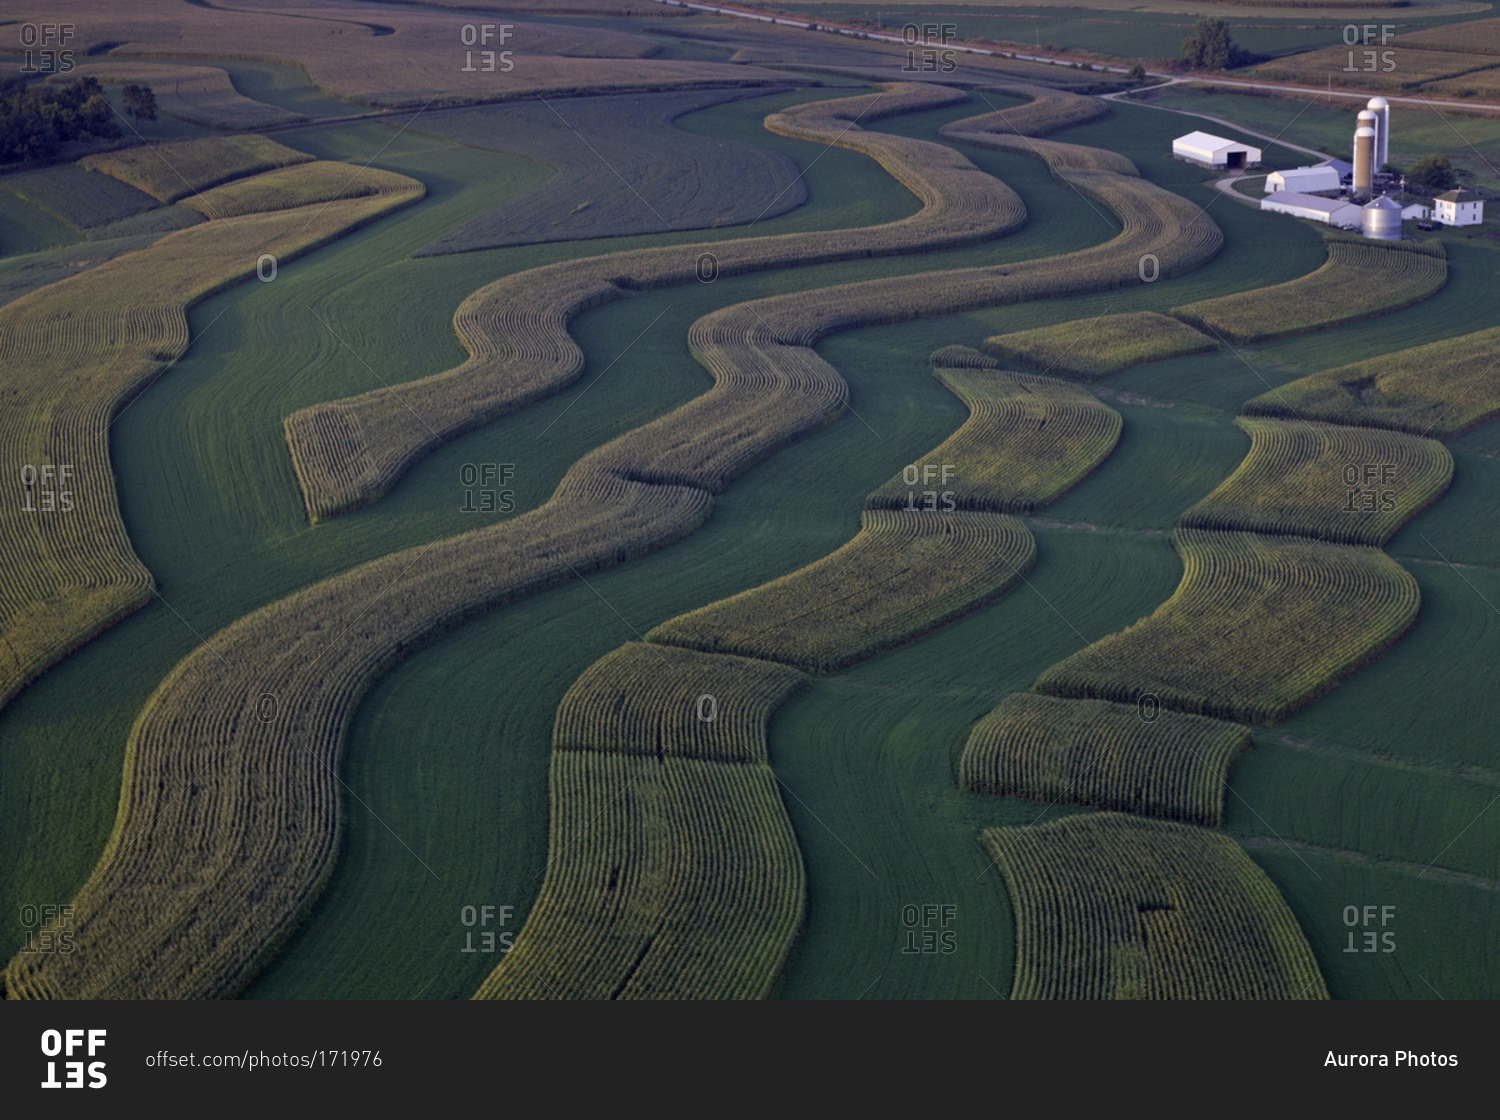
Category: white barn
[1330,211]
[1415,210]
[1304,180]
[1214,152]
[1458,208]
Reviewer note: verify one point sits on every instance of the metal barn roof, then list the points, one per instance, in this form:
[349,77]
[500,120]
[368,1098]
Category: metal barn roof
[1306,202]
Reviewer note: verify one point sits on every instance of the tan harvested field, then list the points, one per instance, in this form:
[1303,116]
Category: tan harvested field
[1441,389]
[304,184]
[1477,36]
[74,352]
[648,699]
[347,453]
[1110,906]
[169,172]
[382,55]
[1484,85]
[902,575]
[228,819]
[673,870]
[1258,626]
[1329,481]
[1411,69]
[1125,757]
[200,94]
[1343,290]
[1094,348]
[1027,441]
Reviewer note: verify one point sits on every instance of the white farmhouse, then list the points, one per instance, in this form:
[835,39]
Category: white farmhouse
[1214,152]
[1304,180]
[1330,211]
[1458,208]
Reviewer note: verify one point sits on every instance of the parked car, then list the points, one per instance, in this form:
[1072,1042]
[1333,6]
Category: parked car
[1428,226]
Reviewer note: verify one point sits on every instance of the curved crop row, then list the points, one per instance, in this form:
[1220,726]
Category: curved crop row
[1106,344]
[667,878]
[1440,389]
[661,701]
[347,453]
[902,574]
[1360,279]
[74,352]
[1110,906]
[228,813]
[205,891]
[1335,483]
[1010,130]
[1027,441]
[1258,626]
[1133,758]
[169,172]
[1047,111]
[673,870]
[302,184]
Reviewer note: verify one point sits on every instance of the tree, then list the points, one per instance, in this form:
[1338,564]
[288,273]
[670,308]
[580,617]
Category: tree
[35,120]
[140,102]
[1433,172]
[1210,47]
[1137,73]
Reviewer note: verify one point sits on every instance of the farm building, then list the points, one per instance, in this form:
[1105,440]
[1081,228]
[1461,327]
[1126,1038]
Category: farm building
[1331,211]
[1214,151]
[1304,180]
[1342,166]
[1459,208]
[1415,210]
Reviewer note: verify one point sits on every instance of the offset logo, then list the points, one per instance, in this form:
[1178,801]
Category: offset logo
[74,1046]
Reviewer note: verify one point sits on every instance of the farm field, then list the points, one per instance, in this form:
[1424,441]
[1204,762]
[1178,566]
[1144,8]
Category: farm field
[674,180]
[1442,388]
[709,627]
[1027,440]
[1154,904]
[1094,348]
[1339,292]
[1153,30]
[203,95]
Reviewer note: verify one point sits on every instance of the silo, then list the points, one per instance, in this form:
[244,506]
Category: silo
[1364,161]
[1382,110]
[1381,219]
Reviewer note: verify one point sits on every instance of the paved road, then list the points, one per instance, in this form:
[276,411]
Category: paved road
[1226,186]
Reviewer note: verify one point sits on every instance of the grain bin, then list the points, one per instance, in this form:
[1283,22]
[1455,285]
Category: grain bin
[1381,219]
